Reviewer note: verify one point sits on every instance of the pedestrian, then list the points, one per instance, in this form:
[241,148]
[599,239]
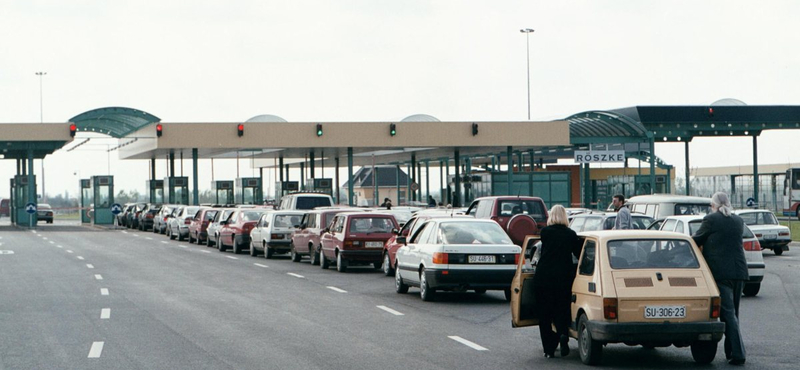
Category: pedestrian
[623,221]
[720,240]
[552,284]
[387,203]
[431,201]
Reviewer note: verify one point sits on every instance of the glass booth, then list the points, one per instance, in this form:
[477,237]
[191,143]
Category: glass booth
[87,198]
[176,190]
[285,187]
[249,190]
[223,189]
[103,187]
[323,185]
[155,189]
[21,195]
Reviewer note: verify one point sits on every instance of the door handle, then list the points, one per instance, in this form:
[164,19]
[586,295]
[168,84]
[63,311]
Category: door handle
[516,290]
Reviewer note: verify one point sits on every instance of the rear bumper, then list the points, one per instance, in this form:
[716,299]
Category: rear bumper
[279,245]
[366,256]
[775,243]
[469,279]
[242,239]
[756,271]
[656,332]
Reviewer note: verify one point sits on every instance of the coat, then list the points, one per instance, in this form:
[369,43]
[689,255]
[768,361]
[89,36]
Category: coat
[721,239]
[555,267]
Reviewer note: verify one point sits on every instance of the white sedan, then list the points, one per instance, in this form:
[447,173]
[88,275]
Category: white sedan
[456,254]
[770,233]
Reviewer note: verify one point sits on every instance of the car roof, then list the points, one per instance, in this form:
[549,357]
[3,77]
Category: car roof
[509,197]
[605,235]
[668,198]
[738,211]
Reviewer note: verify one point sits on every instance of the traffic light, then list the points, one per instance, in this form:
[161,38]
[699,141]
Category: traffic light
[474,129]
[240,128]
[319,129]
[159,130]
[392,129]
[72,129]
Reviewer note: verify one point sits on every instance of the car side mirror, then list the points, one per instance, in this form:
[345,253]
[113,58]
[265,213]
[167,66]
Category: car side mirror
[327,229]
[402,239]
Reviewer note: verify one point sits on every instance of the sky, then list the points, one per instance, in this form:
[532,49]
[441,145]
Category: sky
[376,60]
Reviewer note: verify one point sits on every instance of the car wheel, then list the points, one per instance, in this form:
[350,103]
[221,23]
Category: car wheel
[480,291]
[323,262]
[170,234]
[341,264]
[425,291]
[295,257]
[591,351]
[191,240]
[750,290]
[399,286]
[314,256]
[208,242]
[268,252]
[377,265]
[778,250]
[236,248]
[252,249]
[220,245]
[180,236]
[703,352]
[387,267]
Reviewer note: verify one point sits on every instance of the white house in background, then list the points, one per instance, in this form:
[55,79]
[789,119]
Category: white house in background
[388,181]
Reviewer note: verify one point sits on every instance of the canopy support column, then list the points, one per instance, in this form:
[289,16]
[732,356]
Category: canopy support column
[195,191]
[31,188]
[350,176]
[755,170]
[414,178]
[311,164]
[441,181]
[510,178]
[686,158]
[280,171]
[172,164]
[398,185]
[302,177]
[652,166]
[338,184]
[457,190]
[427,180]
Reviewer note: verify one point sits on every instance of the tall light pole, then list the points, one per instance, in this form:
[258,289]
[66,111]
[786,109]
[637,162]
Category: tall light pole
[41,120]
[528,32]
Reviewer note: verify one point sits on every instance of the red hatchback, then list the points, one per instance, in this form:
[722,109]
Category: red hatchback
[356,238]
[235,231]
[198,229]
[306,238]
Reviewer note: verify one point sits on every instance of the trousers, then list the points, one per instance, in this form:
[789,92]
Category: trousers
[553,308]
[730,291]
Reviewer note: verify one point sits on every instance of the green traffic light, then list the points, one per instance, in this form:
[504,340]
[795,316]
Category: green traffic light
[319,129]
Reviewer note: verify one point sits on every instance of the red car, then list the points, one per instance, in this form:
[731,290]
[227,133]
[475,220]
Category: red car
[356,238]
[306,238]
[398,239]
[235,231]
[518,216]
[198,229]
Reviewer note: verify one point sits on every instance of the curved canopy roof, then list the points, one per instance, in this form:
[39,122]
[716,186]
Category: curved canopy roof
[619,125]
[113,121]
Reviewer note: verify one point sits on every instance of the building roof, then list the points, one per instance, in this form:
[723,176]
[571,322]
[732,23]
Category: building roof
[387,177]
[113,121]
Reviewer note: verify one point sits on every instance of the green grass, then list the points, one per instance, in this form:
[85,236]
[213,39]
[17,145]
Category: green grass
[794,227]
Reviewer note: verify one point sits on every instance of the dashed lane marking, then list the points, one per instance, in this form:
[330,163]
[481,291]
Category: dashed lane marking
[89,265]
[165,242]
[105,313]
[59,246]
[182,246]
[52,242]
[135,234]
[69,251]
[467,343]
[205,251]
[124,232]
[260,265]
[103,291]
[232,257]
[148,238]
[96,350]
[80,258]
[335,289]
[391,311]
[295,275]
[44,238]
[98,277]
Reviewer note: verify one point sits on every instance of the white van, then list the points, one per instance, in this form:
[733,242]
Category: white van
[660,206]
[305,201]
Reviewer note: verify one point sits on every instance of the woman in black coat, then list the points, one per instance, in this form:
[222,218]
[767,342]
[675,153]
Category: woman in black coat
[552,284]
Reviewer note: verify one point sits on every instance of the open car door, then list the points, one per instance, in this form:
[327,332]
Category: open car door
[523,304]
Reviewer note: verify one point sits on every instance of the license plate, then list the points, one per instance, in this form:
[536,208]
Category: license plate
[664,312]
[481,259]
[374,244]
[771,236]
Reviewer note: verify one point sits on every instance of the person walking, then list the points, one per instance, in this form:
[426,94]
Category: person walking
[552,284]
[387,203]
[720,239]
[623,221]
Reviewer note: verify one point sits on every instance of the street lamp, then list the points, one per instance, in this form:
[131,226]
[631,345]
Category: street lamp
[41,120]
[527,32]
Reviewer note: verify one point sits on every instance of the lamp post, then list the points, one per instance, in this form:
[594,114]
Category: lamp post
[527,32]
[41,120]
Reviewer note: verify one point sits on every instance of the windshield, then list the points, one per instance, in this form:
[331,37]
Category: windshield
[692,209]
[371,225]
[759,218]
[312,202]
[286,220]
[651,253]
[471,233]
[251,216]
[526,207]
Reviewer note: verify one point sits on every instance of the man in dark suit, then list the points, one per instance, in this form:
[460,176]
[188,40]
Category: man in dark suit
[720,239]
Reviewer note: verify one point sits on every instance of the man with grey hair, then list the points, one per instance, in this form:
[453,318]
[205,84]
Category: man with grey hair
[720,239]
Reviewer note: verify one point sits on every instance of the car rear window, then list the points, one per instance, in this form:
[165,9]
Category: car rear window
[471,233]
[312,202]
[651,253]
[593,224]
[251,215]
[759,218]
[286,220]
[371,225]
[527,207]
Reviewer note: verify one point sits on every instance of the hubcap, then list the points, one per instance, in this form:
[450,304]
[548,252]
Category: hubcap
[386,264]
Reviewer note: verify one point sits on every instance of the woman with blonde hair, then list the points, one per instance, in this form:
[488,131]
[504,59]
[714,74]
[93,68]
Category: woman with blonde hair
[552,284]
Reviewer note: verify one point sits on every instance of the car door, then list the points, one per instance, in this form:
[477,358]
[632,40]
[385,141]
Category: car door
[587,288]
[255,234]
[227,229]
[523,303]
[328,239]
[408,256]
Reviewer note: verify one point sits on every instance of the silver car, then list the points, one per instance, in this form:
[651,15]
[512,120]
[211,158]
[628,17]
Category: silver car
[214,226]
[770,233]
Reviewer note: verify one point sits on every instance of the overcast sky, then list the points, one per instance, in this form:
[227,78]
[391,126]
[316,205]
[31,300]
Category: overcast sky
[373,60]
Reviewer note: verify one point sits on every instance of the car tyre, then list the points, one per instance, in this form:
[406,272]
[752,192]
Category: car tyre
[180,236]
[591,351]
[220,245]
[236,247]
[208,242]
[268,252]
[323,262]
[399,286]
[253,251]
[387,267]
[425,291]
[750,290]
[192,240]
[341,264]
[170,234]
[703,352]
[778,250]
[314,256]
[295,257]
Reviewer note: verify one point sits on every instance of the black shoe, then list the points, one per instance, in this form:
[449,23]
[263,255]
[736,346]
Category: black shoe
[549,355]
[564,343]
[736,361]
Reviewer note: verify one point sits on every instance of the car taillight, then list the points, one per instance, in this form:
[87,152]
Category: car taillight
[784,233]
[276,236]
[715,307]
[49,213]
[758,235]
[752,246]
[610,308]
[440,258]
[516,259]
[149,215]
[187,221]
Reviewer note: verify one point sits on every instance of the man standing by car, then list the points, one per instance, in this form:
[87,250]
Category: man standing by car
[623,221]
[720,239]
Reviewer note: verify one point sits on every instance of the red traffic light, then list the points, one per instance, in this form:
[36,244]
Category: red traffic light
[72,129]
[159,129]
[241,130]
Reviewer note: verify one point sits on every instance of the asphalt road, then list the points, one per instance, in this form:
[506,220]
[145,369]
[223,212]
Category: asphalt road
[160,304]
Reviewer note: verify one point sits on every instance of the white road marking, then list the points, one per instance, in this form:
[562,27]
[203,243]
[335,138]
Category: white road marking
[260,265]
[467,343]
[148,238]
[45,238]
[97,350]
[335,289]
[391,311]
[124,232]
[182,246]
[135,234]
[59,246]
[33,231]
[6,252]
[165,242]
[89,265]
[204,251]
[103,291]
[232,257]
[295,275]
[80,258]
[52,242]
[105,313]
[69,251]
[98,277]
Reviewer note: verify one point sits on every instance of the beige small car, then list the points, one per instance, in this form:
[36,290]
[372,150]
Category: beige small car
[648,288]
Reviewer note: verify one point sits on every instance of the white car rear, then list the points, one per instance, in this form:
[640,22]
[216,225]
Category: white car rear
[770,233]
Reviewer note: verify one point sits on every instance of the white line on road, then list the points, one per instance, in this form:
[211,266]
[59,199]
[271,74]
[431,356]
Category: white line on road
[89,265]
[295,275]
[148,238]
[165,242]
[80,258]
[182,246]
[391,311]
[97,349]
[232,257]
[69,251]
[98,277]
[59,246]
[467,343]
[103,291]
[204,251]
[124,232]
[45,238]
[52,242]
[260,265]
[335,289]
[135,234]
[105,313]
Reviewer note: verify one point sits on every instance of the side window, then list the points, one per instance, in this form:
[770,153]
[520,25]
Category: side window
[679,228]
[587,258]
[577,224]
[427,234]
[407,227]
[338,225]
[639,208]
[669,225]
[418,234]
[484,209]
[473,209]
[309,219]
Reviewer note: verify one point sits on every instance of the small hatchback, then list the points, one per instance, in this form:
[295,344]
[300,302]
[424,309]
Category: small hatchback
[356,238]
[306,238]
[273,233]
[649,288]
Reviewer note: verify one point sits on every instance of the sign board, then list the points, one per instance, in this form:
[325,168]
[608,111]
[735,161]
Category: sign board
[599,156]
[30,208]
[750,202]
[414,186]
[116,208]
